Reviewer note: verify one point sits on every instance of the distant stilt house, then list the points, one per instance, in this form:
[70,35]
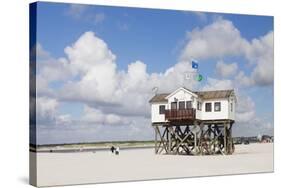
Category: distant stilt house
[187,122]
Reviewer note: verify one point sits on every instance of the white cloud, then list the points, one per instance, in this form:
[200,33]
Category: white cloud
[245,111]
[54,69]
[242,80]
[40,52]
[46,109]
[201,15]
[216,84]
[226,69]
[260,54]
[76,10]
[247,121]
[222,39]
[49,70]
[216,40]
[84,13]
[89,75]
[64,119]
[88,51]
[92,115]
[111,90]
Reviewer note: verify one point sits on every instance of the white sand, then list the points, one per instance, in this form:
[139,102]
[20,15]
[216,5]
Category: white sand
[142,164]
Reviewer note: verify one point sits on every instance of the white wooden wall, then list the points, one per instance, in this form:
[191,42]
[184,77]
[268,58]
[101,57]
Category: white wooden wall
[213,115]
[155,116]
[225,112]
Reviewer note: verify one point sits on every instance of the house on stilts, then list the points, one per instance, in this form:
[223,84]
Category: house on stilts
[193,123]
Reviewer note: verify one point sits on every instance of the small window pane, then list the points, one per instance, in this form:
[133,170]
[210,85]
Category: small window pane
[162,109]
[208,107]
[181,105]
[174,105]
[189,104]
[217,106]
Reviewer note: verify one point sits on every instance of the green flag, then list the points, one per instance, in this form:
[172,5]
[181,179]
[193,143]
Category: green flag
[199,77]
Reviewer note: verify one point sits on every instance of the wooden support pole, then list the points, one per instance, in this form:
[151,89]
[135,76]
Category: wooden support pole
[231,141]
[169,140]
[225,147]
[155,141]
[195,143]
[213,137]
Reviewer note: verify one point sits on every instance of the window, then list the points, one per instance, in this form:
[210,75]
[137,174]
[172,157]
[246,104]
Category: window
[217,106]
[199,105]
[188,104]
[181,105]
[208,107]
[162,109]
[231,107]
[173,105]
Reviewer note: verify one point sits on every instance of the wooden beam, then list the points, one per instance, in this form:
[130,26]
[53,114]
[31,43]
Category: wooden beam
[225,146]
[169,140]
[155,141]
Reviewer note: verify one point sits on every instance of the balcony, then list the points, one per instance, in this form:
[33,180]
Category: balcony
[180,114]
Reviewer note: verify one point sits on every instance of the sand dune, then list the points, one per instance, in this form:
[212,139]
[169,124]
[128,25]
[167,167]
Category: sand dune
[142,164]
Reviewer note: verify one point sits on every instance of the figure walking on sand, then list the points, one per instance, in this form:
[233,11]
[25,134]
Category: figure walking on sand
[112,149]
[117,151]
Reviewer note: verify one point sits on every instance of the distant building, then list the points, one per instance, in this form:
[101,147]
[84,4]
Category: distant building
[266,139]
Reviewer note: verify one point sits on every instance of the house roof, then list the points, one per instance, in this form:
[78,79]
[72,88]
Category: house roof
[159,98]
[182,88]
[217,94]
[214,94]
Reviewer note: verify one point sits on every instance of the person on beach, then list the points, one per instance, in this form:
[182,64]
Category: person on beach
[117,151]
[112,149]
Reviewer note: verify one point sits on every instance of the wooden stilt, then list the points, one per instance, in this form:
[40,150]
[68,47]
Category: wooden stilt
[214,137]
[155,142]
[224,143]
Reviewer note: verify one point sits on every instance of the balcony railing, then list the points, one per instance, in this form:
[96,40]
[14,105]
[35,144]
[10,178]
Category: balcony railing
[180,114]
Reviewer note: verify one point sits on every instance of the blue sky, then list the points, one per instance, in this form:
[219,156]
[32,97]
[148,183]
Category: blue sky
[158,39]
[147,30]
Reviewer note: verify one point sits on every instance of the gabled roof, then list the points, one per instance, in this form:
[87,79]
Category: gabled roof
[184,89]
[159,98]
[217,94]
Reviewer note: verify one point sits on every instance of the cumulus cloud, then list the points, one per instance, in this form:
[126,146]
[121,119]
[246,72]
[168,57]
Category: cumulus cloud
[89,75]
[248,123]
[242,80]
[83,12]
[217,40]
[101,84]
[202,16]
[222,39]
[217,84]
[260,54]
[226,69]
[245,111]
[92,115]
[48,70]
[46,109]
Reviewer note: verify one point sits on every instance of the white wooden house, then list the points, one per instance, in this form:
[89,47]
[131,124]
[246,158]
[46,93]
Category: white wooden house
[184,104]
[188,122]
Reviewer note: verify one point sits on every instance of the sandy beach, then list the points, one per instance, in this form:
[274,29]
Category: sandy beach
[143,164]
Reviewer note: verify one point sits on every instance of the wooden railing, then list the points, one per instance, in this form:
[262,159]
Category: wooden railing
[180,114]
